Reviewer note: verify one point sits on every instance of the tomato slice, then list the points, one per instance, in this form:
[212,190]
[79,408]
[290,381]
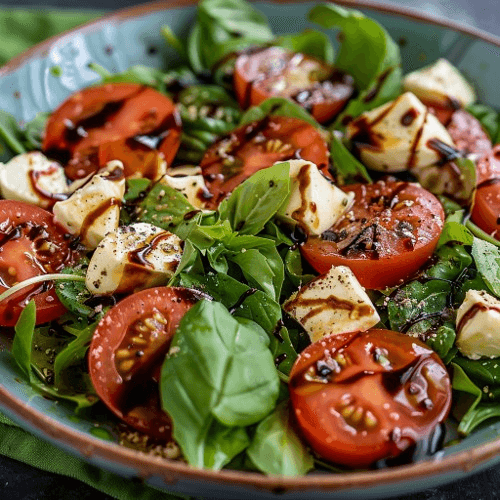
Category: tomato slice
[31,244]
[362,397]
[127,350]
[259,145]
[108,113]
[390,233]
[468,134]
[269,72]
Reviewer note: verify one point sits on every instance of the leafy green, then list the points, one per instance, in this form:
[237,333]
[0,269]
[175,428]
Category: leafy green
[236,383]
[347,168]
[276,448]
[222,27]
[294,270]
[367,53]
[454,231]
[33,132]
[468,180]
[257,306]
[254,202]
[481,371]
[311,42]
[21,346]
[487,259]
[442,340]
[489,118]
[278,106]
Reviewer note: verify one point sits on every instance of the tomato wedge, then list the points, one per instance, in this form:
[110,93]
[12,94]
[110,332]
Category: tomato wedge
[362,397]
[127,350]
[390,233]
[468,134]
[270,72]
[258,145]
[31,244]
[96,116]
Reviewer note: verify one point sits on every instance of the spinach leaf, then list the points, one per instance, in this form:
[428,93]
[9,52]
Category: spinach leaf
[311,42]
[481,371]
[449,206]
[489,118]
[347,168]
[454,231]
[34,130]
[278,106]
[79,391]
[218,372]
[367,53]
[487,259]
[222,27]
[255,202]
[276,448]
[442,340]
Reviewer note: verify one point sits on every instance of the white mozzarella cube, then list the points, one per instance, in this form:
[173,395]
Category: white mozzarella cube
[132,258]
[440,83]
[332,304]
[478,325]
[33,178]
[398,135]
[93,210]
[191,186]
[314,201]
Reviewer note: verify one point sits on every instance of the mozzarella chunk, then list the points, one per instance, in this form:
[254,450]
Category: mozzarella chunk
[32,178]
[93,210]
[315,202]
[332,304]
[440,83]
[191,186]
[478,325]
[398,135]
[132,258]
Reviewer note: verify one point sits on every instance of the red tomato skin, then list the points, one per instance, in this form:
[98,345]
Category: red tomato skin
[468,134]
[253,147]
[367,414]
[396,260]
[105,114]
[255,70]
[20,259]
[112,335]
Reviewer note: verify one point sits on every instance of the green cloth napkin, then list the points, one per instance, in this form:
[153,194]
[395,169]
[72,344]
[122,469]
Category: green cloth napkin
[19,30]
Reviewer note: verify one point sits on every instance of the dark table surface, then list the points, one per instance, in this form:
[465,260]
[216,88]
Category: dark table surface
[22,482]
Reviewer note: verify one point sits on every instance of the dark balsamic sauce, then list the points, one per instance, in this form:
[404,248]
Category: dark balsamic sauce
[242,299]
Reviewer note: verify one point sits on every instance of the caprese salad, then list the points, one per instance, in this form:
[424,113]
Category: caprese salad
[270,258]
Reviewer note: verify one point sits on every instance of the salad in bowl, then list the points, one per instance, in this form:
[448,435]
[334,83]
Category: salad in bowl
[275,256]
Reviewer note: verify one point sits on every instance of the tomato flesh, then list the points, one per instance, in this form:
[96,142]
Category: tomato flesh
[258,145]
[31,244]
[389,233]
[468,134]
[274,71]
[108,113]
[362,397]
[126,352]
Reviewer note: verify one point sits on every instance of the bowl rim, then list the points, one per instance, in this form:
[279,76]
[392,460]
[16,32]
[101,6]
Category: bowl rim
[146,466]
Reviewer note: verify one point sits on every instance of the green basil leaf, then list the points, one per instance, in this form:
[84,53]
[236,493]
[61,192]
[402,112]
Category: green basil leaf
[455,231]
[11,136]
[347,168]
[217,371]
[278,106]
[220,24]
[255,201]
[34,130]
[442,340]
[276,448]
[73,294]
[487,259]
[367,53]
[489,118]
[468,179]
[311,42]
[294,270]
[23,339]
[484,372]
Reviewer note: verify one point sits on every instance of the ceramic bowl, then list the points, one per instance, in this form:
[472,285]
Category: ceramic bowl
[29,84]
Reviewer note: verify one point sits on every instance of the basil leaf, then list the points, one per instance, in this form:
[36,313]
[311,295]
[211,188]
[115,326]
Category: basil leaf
[367,53]
[217,371]
[311,42]
[277,106]
[481,371]
[255,202]
[11,136]
[34,130]
[347,168]
[442,340]
[219,25]
[487,259]
[455,231]
[294,270]
[21,346]
[276,448]
[468,179]
[74,294]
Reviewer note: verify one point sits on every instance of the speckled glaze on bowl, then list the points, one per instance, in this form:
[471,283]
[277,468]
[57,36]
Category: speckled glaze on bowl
[29,84]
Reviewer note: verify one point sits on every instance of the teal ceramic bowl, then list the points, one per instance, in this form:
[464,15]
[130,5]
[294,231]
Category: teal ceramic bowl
[29,84]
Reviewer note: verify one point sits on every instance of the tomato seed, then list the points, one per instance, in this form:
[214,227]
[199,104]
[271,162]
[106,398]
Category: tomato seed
[139,341]
[127,365]
[122,354]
